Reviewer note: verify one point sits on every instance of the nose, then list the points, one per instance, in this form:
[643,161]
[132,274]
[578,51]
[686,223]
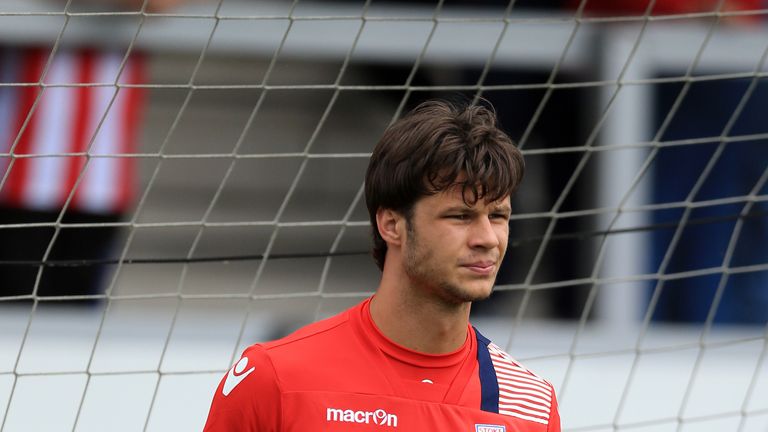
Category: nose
[484,234]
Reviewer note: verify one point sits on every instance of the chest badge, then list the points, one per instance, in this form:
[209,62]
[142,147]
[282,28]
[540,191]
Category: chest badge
[489,428]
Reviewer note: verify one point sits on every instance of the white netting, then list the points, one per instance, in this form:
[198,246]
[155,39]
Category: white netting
[638,264]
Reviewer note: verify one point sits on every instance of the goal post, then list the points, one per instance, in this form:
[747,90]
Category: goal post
[636,277]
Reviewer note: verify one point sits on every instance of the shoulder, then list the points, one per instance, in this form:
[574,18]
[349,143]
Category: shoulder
[514,371]
[509,366]
[521,392]
[249,395]
[309,335]
[308,345]
[321,356]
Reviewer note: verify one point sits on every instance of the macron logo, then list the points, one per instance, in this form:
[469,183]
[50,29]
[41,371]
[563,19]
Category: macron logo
[378,417]
[236,375]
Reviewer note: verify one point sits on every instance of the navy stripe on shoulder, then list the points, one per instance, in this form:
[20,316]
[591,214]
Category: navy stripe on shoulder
[489,385]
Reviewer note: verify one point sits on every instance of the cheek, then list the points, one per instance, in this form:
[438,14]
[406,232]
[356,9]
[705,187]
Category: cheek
[503,248]
[503,234]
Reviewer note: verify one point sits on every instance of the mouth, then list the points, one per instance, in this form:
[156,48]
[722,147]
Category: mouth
[484,268]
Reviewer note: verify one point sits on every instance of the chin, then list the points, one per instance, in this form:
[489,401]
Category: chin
[480,289]
[468,292]
[484,294]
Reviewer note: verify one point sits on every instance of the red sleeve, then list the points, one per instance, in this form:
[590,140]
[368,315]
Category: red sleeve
[554,415]
[248,397]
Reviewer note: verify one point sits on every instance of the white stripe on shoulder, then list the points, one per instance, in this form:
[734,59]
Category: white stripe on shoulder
[522,393]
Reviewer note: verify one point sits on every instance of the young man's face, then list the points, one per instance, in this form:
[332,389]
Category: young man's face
[453,250]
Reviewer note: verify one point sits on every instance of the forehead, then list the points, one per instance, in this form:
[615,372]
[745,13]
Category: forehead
[456,196]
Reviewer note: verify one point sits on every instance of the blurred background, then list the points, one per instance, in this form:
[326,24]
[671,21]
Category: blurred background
[181,179]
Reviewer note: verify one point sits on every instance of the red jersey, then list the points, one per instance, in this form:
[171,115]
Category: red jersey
[343,374]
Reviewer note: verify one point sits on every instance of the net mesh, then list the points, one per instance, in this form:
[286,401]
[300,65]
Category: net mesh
[637,262]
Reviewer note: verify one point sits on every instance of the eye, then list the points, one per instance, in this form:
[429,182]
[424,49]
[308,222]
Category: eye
[459,216]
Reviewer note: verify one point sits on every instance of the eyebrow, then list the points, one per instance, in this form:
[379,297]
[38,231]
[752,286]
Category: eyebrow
[458,208]
[502,207]
[465,208]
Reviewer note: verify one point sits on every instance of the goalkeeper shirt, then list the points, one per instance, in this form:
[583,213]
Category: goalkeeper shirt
[343,374]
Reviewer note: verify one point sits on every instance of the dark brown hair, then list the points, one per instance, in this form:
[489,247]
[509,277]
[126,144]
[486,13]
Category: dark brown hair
[434,147]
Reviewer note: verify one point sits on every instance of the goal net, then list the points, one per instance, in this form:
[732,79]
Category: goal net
[133,275]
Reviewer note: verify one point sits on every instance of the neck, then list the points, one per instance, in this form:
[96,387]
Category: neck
[410,317]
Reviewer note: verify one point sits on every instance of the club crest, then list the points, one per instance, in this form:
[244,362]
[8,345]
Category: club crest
[489,428]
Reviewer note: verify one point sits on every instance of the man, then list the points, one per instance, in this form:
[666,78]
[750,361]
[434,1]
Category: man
[438,192]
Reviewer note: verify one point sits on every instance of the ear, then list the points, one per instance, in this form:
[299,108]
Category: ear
[391,226]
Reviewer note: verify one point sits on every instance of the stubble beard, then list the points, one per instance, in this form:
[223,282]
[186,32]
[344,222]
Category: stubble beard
[430,278]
